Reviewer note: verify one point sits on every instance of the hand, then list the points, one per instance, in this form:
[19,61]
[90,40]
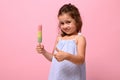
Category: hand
[40,49]
[60,55]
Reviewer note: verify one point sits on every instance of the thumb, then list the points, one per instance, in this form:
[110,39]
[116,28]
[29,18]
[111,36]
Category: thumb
[57,49]
[41,45]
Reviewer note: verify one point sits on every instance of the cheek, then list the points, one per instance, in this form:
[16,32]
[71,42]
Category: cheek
[72,25]
[61,26]
[74,28]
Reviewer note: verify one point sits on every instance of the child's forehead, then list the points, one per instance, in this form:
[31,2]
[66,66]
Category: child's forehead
[65,16]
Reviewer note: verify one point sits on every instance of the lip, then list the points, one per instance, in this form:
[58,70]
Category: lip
[66,30]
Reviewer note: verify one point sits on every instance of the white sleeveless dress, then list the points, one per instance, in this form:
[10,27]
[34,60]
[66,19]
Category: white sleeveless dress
[67,70]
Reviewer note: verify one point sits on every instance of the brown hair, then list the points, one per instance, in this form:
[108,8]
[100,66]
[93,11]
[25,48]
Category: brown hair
[74,13]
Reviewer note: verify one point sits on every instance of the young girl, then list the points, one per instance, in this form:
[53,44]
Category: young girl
[68,57]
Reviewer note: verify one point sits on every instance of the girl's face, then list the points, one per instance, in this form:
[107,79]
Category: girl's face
[67,24]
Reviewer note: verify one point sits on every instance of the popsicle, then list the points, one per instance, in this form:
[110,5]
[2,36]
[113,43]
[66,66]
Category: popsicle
[40,34]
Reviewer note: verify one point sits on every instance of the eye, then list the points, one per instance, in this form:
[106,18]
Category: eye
[61,23]
[68,22]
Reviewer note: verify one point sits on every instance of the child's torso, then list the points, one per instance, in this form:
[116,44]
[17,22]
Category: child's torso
[66,70]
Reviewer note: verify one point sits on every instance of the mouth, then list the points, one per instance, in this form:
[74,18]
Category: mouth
[66,30]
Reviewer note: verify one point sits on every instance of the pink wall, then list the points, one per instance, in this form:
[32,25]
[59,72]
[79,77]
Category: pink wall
[18,31]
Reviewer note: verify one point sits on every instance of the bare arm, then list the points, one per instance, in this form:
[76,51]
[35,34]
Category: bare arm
[81,47]
[48,55]
[40,49]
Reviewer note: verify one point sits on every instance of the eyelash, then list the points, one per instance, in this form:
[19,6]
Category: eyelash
[67,22]
[61,23]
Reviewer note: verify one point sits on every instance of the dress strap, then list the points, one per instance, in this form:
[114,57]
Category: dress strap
[76,38]
[59,38]
[79,34]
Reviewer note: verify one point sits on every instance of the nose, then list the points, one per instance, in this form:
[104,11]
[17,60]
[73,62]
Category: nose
[66,26]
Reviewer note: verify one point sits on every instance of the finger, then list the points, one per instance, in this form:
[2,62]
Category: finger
[57,49]
[56,58]
[42,46]
[55,55]
[38,50]
[38,46]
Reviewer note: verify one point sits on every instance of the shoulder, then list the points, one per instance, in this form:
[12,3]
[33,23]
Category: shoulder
[59,37]
[56,41]
[81,39]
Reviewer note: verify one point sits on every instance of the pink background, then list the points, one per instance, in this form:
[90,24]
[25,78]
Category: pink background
[18,37]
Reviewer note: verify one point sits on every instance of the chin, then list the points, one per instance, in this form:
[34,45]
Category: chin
[68,33]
